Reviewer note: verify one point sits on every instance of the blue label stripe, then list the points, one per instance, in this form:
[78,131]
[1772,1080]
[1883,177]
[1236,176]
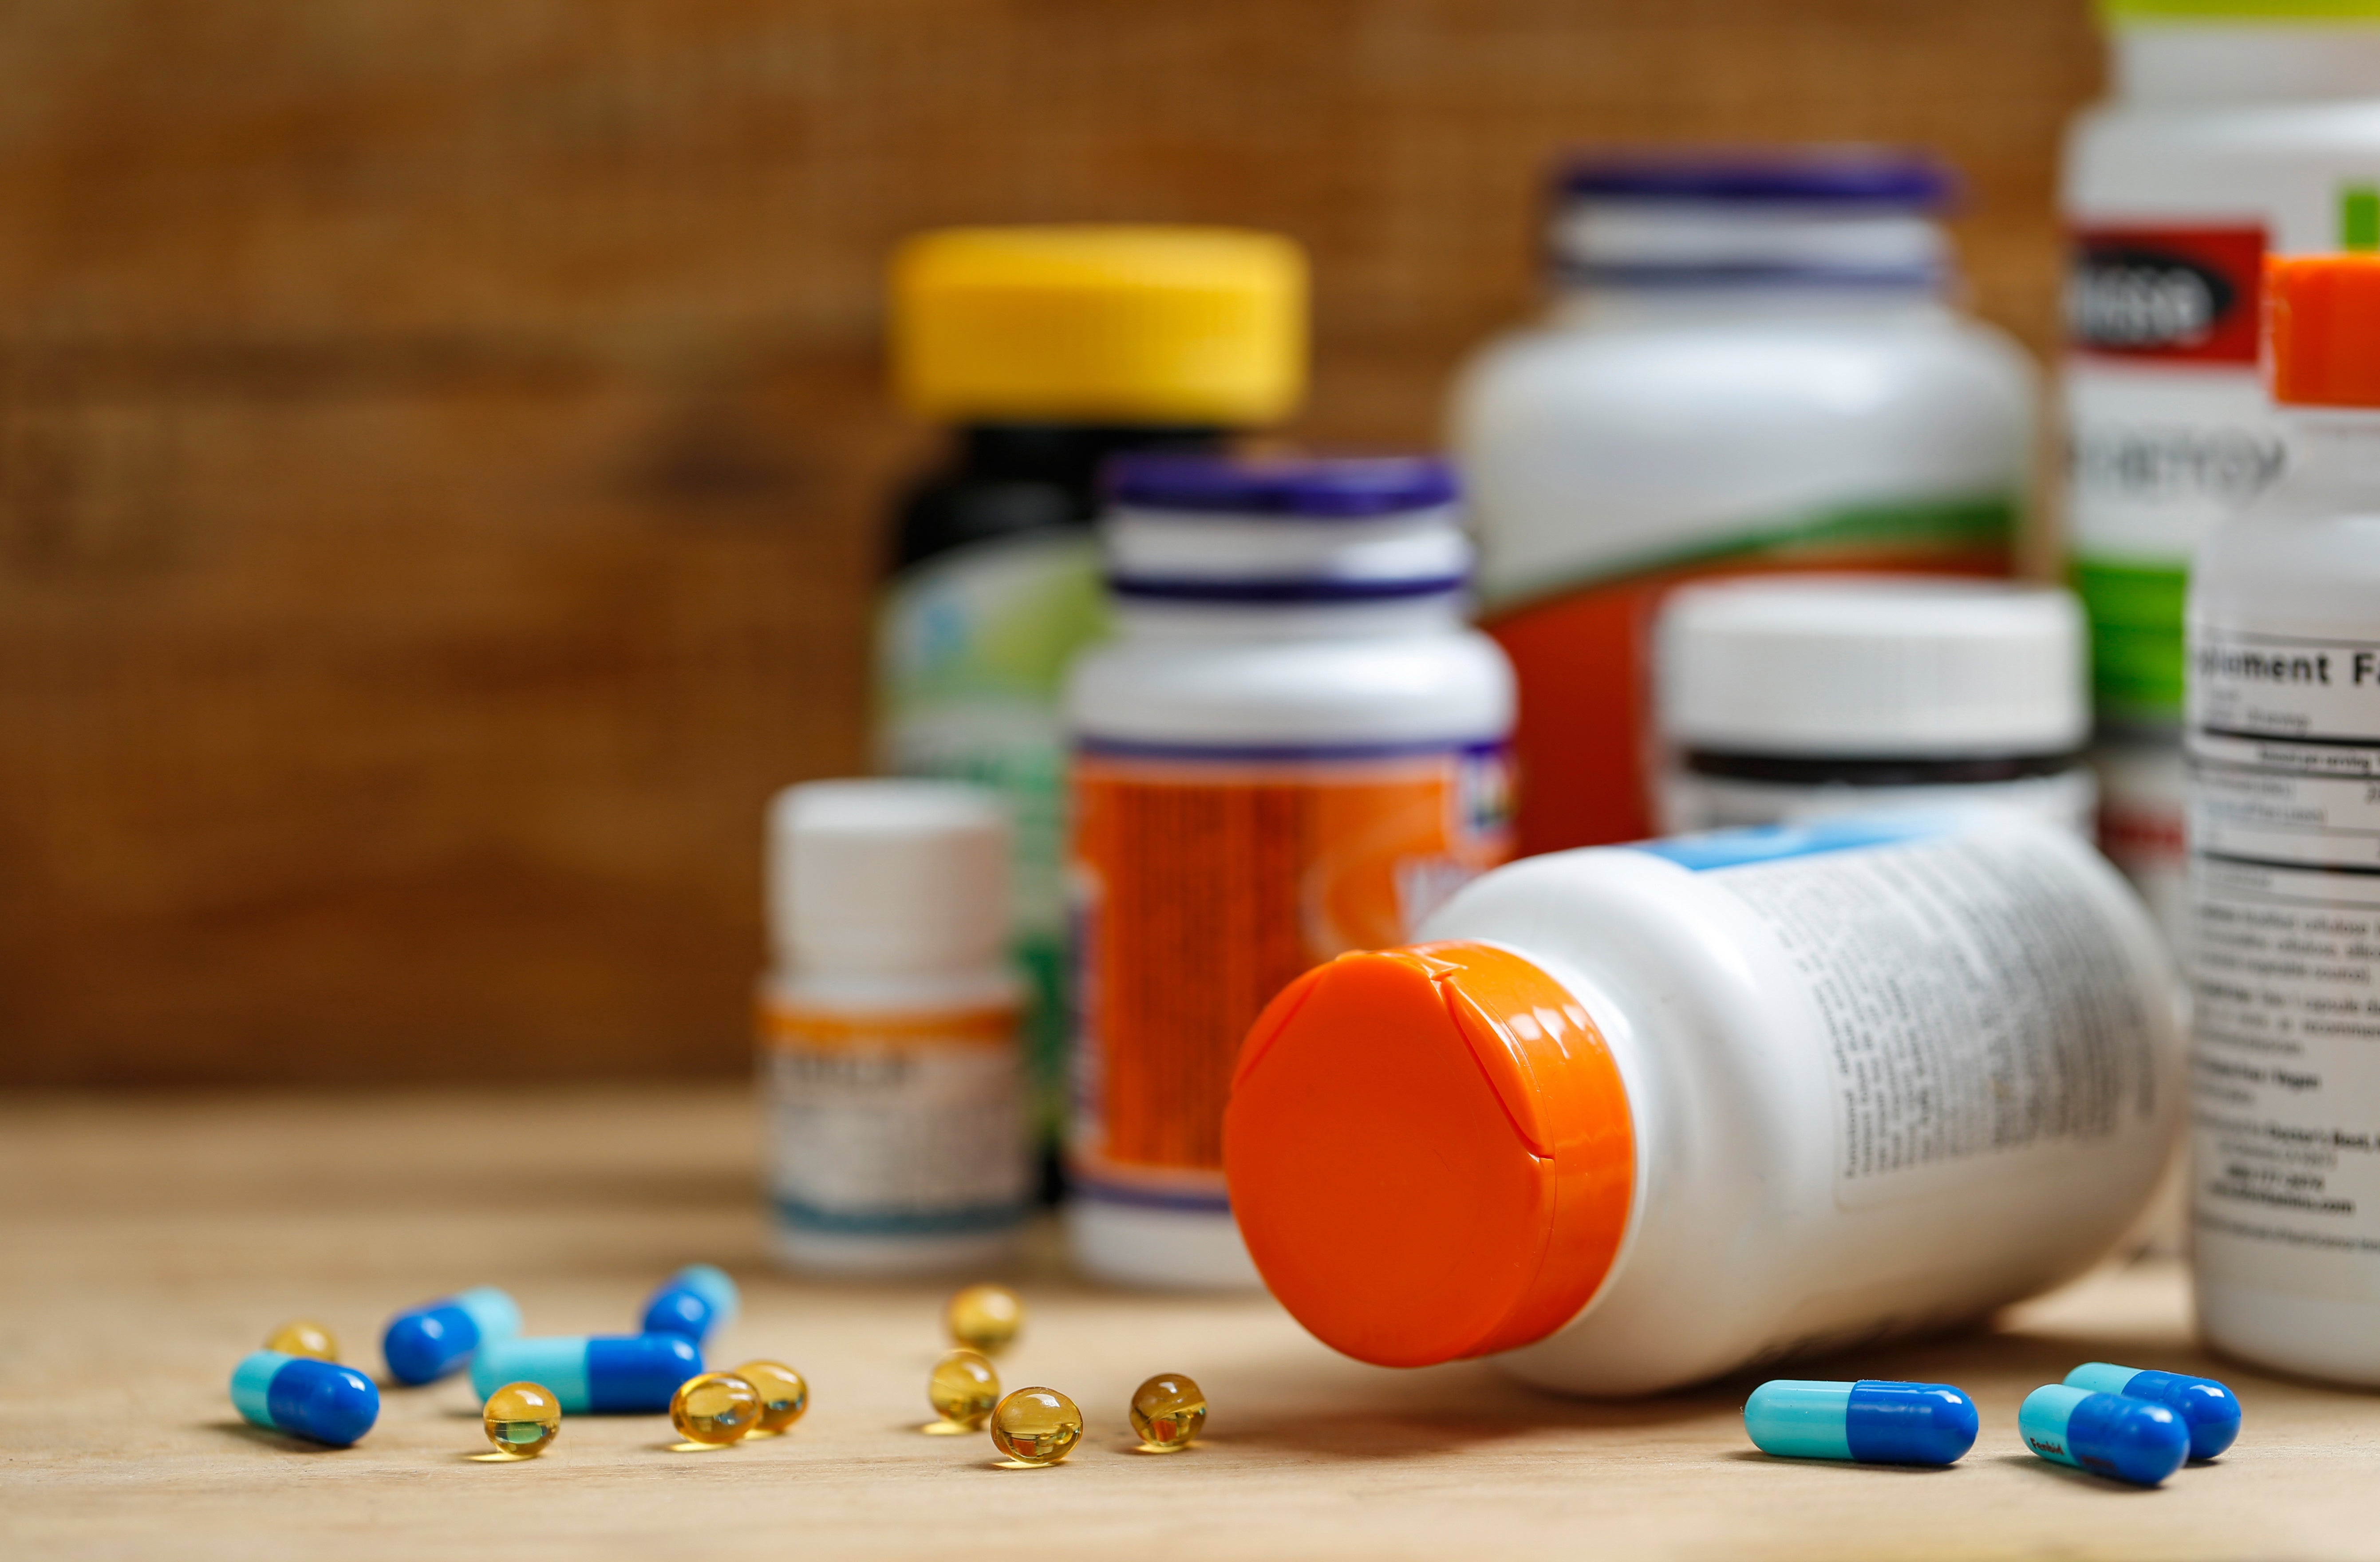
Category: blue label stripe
[1183,589]
[1776,842]
[1130,748]
[1130,1197]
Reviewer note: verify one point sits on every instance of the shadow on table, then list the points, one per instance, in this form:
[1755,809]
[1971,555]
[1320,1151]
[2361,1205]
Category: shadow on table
[263,1438]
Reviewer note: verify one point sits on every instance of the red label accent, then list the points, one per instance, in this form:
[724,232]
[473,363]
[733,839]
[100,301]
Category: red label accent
[2176,295]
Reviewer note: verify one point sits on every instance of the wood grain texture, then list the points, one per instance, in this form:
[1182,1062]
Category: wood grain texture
[151,1244]
[440,443]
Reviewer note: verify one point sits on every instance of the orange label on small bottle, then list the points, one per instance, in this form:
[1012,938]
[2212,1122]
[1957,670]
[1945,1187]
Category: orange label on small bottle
[1206,881]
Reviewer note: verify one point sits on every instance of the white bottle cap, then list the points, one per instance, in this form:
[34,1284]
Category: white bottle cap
[888,878]
[1872,667]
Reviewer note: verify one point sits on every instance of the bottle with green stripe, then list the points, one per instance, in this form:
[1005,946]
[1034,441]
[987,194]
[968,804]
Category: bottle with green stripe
[2234,130]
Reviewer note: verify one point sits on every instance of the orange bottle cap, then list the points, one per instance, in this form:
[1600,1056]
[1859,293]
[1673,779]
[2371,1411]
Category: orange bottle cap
[1430,1153]
[2322,328]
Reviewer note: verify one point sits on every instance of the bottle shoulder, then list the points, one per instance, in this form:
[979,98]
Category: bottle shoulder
[2294,564]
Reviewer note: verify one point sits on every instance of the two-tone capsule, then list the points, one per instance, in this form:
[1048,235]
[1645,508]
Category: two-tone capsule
[423,1344]
[1874,1421]
[2209,1412]
[2135,1440]
[305,1398]
[693,1302]
[599,1375]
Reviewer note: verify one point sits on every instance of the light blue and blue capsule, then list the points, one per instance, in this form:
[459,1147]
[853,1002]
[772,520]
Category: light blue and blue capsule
[1875,1420]
[2135,1440]
[591,1375]
[693,1302]
[319,1401]
[423,1344]
[2208,1409]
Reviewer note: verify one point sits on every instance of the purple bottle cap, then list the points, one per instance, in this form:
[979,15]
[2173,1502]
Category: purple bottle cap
[1875,178]
[1308,486]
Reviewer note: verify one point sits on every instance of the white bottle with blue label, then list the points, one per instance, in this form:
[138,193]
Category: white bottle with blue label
[1639,1116]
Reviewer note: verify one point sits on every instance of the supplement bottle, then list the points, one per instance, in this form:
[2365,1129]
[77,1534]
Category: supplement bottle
[2233,128]
[890,1070]
[1638,1116]
[1048,350]
[1752,365]
[1783,700]
[1294,746]
[2284,951]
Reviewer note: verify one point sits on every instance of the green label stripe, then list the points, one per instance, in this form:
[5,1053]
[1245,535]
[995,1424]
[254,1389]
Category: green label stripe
[2247,13]
[1965,525]
[2136,656]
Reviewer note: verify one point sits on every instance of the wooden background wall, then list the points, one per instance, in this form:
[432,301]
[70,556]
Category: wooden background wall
[440,442]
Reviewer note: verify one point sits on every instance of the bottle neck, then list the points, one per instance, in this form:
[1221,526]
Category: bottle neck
[2195,67]
[2334,453]
[1579,304]
[1749,256]
[1150,622]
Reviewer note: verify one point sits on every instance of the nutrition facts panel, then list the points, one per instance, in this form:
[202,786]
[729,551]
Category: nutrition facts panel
[2285,945]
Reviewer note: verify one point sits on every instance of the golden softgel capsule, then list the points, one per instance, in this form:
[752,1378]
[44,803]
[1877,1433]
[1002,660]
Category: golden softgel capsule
[522,1418]
[784,1395]
[715,1409]
[984,1318]
[303,1336]
[963,1390]
[1168,1410]
[1036,1426]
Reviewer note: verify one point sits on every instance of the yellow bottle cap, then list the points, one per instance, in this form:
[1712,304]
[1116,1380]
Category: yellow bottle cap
[1105,324]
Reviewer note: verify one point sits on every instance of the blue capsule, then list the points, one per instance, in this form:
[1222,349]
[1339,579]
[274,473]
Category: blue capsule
[2207,1409]
[2135,1440]
[423,1344]
[599,1375]
[320,1400]
[1872,1421]
[693,1302]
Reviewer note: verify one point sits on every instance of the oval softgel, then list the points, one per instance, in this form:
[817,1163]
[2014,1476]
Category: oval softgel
[692,1302]
[2135,1440]
[1873,1421]
[2208,1409]
[423,1344]
[591,1375]
[319,1400]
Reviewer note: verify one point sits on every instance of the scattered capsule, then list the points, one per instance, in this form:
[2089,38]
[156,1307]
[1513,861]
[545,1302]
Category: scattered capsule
[715,1408]
[1168,1410]
[303,1336]
[2135,1440]
[319,1401]
[693,1302]
[962,1390]
[784,1395]
[2208,1409]
[1036,1426]
[984,1318]
[1874,1421]
[602,1374]
[423,1344]
[522,1418]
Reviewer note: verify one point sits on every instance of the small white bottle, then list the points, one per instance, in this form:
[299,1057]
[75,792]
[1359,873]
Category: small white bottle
[2284,947]
[1787,697]
[890,1069]
[1294,747]
[1641,1115]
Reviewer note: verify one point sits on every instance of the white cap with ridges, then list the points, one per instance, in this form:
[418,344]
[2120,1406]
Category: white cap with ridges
[1859,667]
[888,878]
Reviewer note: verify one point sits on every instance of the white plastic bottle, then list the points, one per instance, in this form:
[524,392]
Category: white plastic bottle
[2234,128]
[1752,364]
[889,1070]
[1792,697]
[2284,953]
[1641,1115]
[1294,747]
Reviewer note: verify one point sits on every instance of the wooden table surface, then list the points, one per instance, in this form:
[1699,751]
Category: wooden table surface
[145,1245]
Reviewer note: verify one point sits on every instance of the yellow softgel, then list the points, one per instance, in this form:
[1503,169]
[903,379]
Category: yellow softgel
[1168,1410]
[984,1318]
[784,1395]
[715,1408]
[522,1418]
[303,1336]
[1036,1426]
[962,1390]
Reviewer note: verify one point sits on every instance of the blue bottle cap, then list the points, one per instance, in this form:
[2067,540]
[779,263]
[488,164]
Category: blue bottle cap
[1304,488]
